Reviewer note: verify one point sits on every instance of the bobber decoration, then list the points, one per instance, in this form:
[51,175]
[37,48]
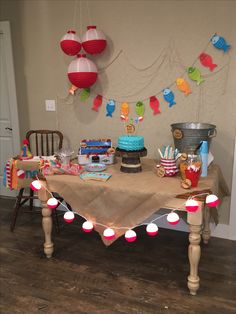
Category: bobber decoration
[93,41]
[52,202]
[109,234]
[70,43]
[87,226]
[152,229]
[191,205]
[173,218]
[212,200]
[20,174]
[82,72]
[35,185]
[130,235]
[69,216]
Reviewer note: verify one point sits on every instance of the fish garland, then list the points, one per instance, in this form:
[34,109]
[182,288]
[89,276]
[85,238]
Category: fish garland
[220,43]
[195,75]
[155,105]
[97,102]
[140,109]
[124,112]
[169,97]
[206,61]
[183,86]
[110,107]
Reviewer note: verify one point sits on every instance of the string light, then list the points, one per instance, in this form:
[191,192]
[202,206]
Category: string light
[35,185]
[191,205]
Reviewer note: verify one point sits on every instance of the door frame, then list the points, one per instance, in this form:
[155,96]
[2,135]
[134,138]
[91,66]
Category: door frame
[6,31]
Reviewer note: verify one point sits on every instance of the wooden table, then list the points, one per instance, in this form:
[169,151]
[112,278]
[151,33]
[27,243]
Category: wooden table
[91,199]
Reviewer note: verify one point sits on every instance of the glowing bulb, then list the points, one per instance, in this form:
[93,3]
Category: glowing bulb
[191,205]
[52,202]
[87,226]
[152,229]
[109,234]
[130,235]
[173,218]
[212,200]
[69,216]
[35,185]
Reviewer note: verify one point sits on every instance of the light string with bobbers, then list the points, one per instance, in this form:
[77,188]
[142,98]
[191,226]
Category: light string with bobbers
[191,205]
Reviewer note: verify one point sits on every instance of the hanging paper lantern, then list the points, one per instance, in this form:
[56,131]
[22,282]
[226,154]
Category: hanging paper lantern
[82,72]
[191,205]
[212,200]
[130,236]
[152,229]
[109,234]
[35,185]
[69,216]
[94,41]
[52,202]
[70,43]
[87,226]
[173,218]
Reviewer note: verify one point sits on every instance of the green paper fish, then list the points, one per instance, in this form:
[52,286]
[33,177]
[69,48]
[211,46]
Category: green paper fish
[84,94]
[140,108]
[195,75]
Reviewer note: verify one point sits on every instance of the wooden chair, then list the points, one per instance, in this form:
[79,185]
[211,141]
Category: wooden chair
[41,143]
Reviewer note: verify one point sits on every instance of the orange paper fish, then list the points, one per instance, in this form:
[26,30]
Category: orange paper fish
[183,86]
[124,112]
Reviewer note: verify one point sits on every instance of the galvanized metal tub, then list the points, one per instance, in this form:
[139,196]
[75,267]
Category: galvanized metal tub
[188,135]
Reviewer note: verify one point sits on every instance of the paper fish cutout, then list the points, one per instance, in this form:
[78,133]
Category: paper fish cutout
[206,61]
[195,75]
[97,102]
[85,94]
[154,104]
[73,89]
[220,43]
[140,109]
[169,97]
[111,106]
[124,112]
[183,86]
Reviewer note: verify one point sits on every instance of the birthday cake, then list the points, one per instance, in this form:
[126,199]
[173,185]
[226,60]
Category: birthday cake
[131,143]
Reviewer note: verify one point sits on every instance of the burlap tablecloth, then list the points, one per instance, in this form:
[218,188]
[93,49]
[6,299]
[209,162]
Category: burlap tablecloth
[126,199]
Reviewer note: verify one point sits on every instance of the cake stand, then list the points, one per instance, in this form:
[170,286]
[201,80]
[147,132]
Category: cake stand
[131,162]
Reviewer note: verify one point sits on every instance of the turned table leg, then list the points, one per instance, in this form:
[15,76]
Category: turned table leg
[43,195]
[206,232]
[194,253]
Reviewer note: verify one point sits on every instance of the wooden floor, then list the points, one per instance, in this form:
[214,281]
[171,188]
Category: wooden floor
[148,276]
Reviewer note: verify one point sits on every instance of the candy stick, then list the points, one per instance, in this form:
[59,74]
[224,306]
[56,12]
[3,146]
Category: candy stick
[160,152]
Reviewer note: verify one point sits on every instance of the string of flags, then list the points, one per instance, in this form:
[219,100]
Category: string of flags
[191,205]
[182,84]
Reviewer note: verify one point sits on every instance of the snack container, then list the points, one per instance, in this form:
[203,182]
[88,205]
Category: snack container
[106,159]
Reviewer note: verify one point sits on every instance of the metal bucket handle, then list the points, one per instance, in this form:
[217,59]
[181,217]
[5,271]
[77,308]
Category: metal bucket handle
[213,134]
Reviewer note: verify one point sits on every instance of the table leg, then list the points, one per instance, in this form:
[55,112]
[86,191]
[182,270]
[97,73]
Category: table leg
[194,253]
[43,195]
[206,232]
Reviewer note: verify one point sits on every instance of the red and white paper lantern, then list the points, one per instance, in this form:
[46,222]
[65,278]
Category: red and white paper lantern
[212,200]
[35,185]
[69,216]
[191,205]
[70,43]
[152,229]
[109,234]
[130,236]
[93,41]
[82,72]
[52,202]
[173,218]
[87,226]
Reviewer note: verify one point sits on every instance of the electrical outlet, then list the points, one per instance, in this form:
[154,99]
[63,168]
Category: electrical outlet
[50,105]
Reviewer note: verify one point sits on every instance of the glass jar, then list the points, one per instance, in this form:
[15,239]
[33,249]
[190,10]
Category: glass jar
[190,168]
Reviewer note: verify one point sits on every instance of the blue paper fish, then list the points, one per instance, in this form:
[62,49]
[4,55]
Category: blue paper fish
[169,97]
[111,106]
[220,43]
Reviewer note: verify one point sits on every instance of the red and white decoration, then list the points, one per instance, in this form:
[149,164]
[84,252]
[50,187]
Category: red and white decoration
[109,234]
[94,41]
[191,205]
[82,72]
[69,216]
[173,218]
[152,229]
[35,185]
[70,43]
[87,226]
[212,200]
[130,235]
[20,174]
[52,202]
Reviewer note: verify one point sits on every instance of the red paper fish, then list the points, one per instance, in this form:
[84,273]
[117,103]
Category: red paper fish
[206,61]
[97,102]
[154,104]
